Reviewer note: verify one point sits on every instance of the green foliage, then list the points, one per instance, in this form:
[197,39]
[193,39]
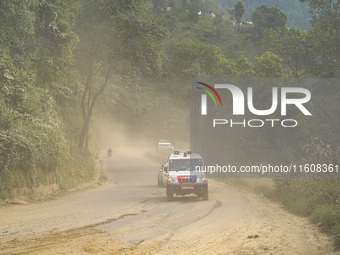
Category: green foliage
[318,198]
[268,65]
[269,17]
[31,137]
[36,91]
[243,68]
[231,13]
[158,3]
[53,45]
[79,170]
[185,4]
[121,39]
[216,30]
[314,52]
[16,26]
[324,37]
[328,217]
[193,10]
[304,196]
[290,44]
[297,13]
[263,189]
[141,37]
[266,17]
[238,11]
[196,59]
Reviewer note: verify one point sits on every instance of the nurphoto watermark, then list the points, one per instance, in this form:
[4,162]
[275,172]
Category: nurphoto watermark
[256,127]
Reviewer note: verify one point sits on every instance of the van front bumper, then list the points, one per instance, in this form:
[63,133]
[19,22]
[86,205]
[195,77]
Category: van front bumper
[183,189]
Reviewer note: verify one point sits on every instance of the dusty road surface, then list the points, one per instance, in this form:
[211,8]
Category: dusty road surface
[132,216]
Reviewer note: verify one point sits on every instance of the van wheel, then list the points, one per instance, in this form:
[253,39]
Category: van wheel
[205,196]
[169,196]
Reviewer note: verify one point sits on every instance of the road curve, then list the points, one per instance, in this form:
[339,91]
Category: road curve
[132,216]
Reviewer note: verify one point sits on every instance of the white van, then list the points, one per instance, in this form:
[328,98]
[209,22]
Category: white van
[164,146]
[183,178]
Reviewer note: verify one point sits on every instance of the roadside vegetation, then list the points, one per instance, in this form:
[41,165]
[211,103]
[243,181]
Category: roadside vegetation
[318,199]
[65,65]
[314,198]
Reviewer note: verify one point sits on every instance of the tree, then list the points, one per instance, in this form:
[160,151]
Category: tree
[238,11]
[172,3]
[158,3]
[243,68]
[36,45]
[120,39]
[326,10]
[231,13]
[196,59]
[267,17]
[239,68]
[218,19]
[268,65]
[292,45]
[17,22]
[55,40]
[324,37]
[315,51]
[193,10]
[185,4]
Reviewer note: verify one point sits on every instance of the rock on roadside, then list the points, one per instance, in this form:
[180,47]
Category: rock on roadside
[18,201]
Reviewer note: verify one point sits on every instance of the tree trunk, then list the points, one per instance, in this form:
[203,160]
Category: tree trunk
[84,133]
[87,107]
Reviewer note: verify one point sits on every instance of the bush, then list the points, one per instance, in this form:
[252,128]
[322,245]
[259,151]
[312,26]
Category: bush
[328,218]
[336,230]
[262,189]
[318,198]
[34,143]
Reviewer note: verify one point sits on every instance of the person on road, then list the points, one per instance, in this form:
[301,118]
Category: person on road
[109,152]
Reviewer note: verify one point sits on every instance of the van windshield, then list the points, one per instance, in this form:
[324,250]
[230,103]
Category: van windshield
[184,164]
[164,144]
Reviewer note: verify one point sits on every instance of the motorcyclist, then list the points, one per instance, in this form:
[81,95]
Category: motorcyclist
[109,152]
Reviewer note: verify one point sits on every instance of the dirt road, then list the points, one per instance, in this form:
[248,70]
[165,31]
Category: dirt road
[131,216]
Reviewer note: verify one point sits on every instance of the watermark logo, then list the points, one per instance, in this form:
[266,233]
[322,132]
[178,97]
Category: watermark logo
[204,97]
[284,96]
[265,127]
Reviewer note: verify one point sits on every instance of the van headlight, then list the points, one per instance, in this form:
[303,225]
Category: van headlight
[172,180]
[201,180]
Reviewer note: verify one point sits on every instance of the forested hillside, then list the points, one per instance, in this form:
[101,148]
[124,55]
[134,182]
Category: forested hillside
[66,65]
[57,58]
[297,12]
[38,96]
